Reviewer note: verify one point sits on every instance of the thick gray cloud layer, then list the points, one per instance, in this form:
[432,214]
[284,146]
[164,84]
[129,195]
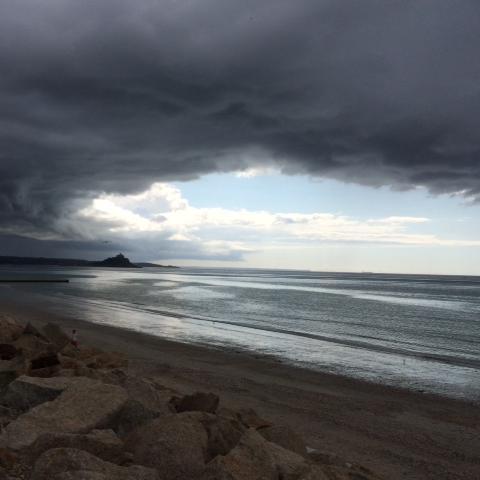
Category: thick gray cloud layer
[113,95]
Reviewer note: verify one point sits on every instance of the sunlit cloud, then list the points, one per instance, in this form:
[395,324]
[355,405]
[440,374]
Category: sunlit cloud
[162,212]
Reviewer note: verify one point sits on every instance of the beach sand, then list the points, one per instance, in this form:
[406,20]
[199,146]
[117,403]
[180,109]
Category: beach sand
[397,433]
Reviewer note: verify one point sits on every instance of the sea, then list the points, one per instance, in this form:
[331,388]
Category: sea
[420,332]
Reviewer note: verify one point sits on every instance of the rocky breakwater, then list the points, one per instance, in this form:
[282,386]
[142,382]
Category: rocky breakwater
[71,413]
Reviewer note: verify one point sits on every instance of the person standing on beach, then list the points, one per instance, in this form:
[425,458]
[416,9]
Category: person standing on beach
[74,339]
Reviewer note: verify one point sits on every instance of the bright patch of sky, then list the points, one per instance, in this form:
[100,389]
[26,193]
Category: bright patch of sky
[264,219]
[453,216]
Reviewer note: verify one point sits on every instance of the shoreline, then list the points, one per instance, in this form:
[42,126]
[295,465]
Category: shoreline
[396,432]
[413,350]
[121,338]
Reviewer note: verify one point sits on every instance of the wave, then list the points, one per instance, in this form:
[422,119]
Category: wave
[447,359]
[356,343]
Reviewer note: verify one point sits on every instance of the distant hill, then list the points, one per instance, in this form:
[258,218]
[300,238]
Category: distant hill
[119,261]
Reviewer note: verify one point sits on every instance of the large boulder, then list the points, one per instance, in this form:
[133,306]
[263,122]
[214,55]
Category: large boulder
[56,336]
[223,433]
[148,393]
[26,392]
[10,370]
[76,410]
[70,463]
[32,346]
[198,402]
[285,437]
[146,402]
[175,445]
[133,415]
[254,458]
[32,330]
[10,329]
[104,444]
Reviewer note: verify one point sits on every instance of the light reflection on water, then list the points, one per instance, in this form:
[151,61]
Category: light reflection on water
[403,330]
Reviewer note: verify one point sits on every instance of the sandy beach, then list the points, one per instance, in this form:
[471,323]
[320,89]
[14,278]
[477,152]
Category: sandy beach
[397,433]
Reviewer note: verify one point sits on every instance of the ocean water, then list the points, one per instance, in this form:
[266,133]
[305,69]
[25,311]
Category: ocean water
[419,332]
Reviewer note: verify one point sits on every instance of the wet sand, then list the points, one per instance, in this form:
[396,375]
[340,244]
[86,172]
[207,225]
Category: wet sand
[397,433]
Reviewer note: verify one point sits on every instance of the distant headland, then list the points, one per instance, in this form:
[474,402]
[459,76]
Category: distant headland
[119,261]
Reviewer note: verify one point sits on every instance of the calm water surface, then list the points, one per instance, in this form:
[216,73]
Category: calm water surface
[420,332]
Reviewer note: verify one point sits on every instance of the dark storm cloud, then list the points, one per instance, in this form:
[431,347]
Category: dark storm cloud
[17,245]
[113,95]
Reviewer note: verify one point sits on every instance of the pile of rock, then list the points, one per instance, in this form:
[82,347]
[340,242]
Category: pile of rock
[71,413]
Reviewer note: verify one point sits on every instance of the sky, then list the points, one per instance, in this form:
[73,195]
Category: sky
[313,134]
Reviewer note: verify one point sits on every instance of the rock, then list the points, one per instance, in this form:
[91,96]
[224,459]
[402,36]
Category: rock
[26,392]
[116,376]
[81,370]
[32,346]
[10,370]
[65,372]
[173,444]
[7,459]
[199,402]
[70,362]
[107,360]
[146,403]
[82,475]
[133,415]
[6,416]
[83,353]
[250,419]
[76,410]
[106,376]
[70,463]
[7,351]
[104,444]
[31,330]
[44,361]
[56,336]
[223,433]
[147,393]
[91,362]
[46,372]
[255,458]
[285,437]
[10,329]
[6,377]
[70,351]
